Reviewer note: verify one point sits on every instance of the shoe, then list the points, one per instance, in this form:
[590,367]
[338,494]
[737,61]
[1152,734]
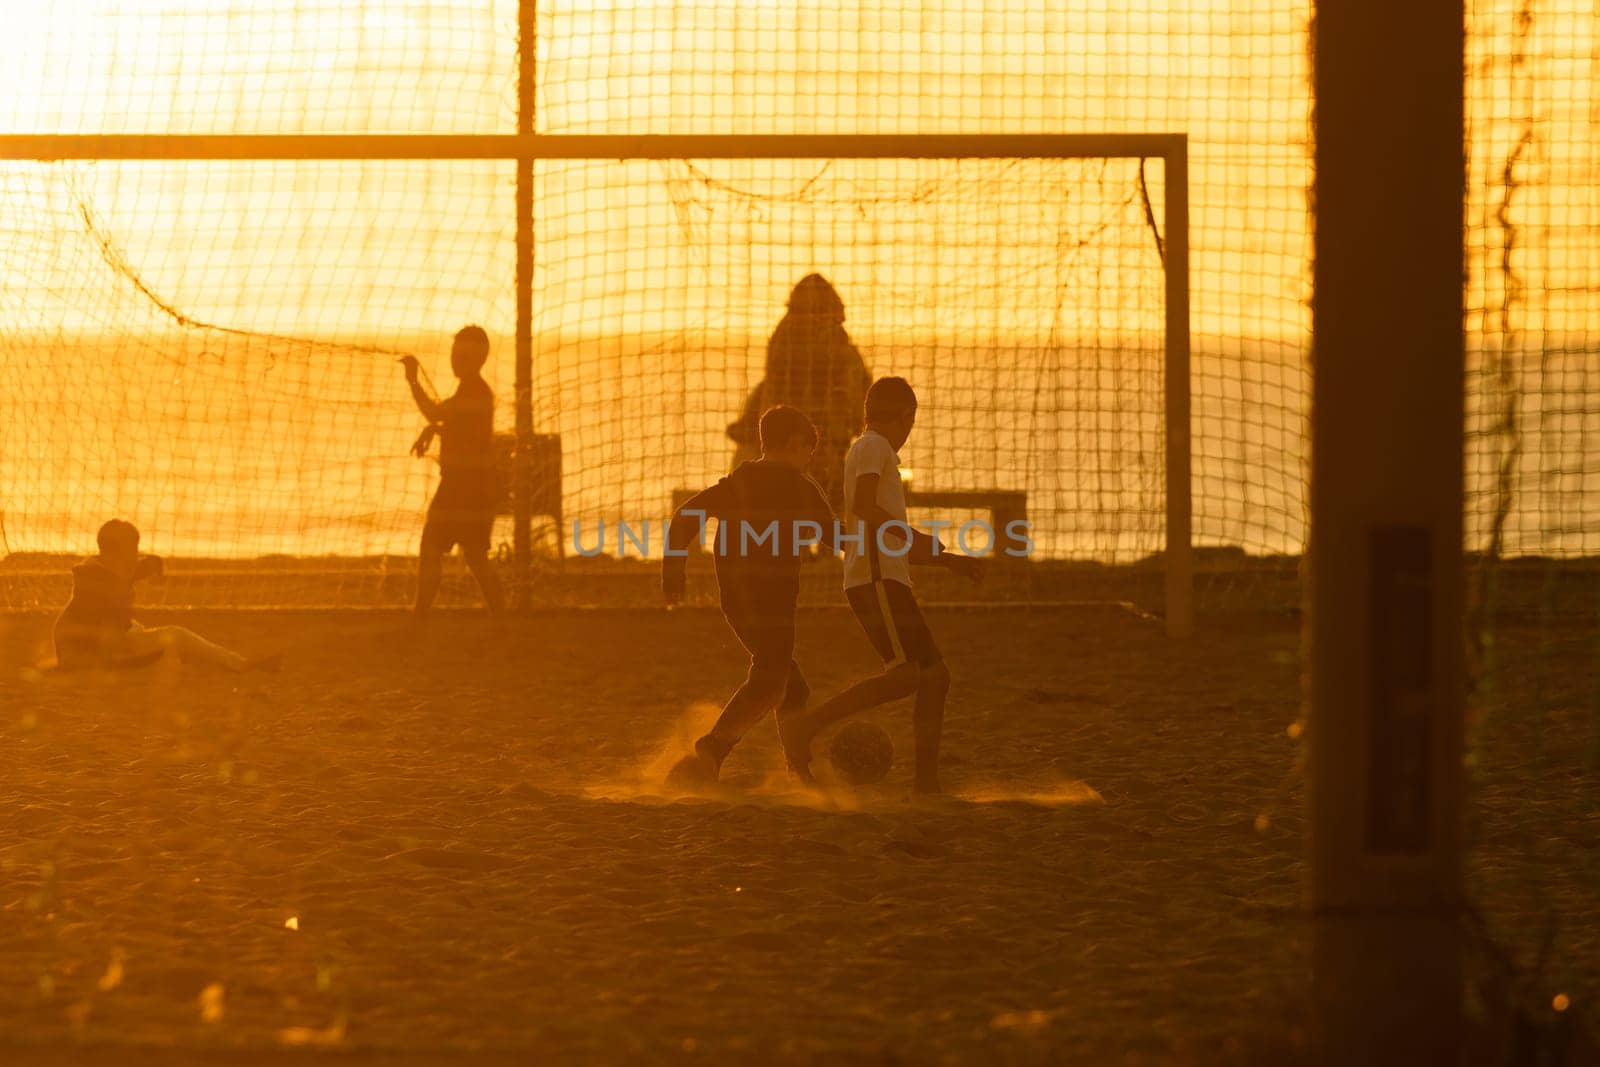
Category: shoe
[702,766]
[692,771]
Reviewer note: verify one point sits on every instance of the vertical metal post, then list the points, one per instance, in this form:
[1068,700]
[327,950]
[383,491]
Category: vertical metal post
[1179,551]
[522,487]
[1384,610]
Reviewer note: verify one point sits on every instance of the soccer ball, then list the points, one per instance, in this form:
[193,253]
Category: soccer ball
[861,752]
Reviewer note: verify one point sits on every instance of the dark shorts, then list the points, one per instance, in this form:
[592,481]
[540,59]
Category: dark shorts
[472,534]
[762,617]
[888,612]
[462,513]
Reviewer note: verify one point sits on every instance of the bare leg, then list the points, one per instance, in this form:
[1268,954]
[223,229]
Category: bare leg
[189,646]
[488,581]
[430,569]
[798,730]
[795,692]
[927,720]
[760,693]
[748,704]
[763,689]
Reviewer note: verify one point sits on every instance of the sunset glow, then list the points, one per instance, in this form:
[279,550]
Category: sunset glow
[787,532]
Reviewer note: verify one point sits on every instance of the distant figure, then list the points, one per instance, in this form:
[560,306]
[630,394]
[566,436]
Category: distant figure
[811,365]
[758,576]
[877,583]
[462,512]
[97,628]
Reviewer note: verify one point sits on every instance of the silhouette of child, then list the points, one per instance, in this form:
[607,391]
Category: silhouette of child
[762,507]
[97,627]
[877,581]
[462,511]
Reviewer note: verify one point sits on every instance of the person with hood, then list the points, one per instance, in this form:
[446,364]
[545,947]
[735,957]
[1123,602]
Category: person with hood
[812,365]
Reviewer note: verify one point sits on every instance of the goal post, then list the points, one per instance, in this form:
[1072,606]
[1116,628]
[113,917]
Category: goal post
[1385,654]
[538,158]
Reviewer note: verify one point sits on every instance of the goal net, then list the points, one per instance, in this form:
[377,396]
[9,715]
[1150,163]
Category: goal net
[208,349]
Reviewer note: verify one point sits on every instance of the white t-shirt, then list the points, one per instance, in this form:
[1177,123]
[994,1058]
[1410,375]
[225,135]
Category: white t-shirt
[873,454]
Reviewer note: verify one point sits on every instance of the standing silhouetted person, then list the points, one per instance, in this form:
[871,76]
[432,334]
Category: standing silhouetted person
[812,365]
[462,512]
[769,512]
[97,627]
[879,551]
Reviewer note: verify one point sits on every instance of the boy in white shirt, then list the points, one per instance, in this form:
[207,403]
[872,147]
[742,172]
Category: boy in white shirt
[877,582]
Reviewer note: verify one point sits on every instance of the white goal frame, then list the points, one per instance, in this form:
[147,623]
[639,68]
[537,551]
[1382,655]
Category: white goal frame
[526,147]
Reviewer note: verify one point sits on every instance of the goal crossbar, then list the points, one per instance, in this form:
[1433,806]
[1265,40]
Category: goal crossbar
[1170,148]
[392,146]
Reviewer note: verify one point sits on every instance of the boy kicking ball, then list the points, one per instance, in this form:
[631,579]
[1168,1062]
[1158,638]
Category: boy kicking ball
[877,583]
[769,511]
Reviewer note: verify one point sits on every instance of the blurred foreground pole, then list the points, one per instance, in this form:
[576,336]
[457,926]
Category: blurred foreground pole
[1384,604]
[522,463]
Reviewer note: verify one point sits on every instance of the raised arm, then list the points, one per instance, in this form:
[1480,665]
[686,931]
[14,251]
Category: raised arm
[432,410]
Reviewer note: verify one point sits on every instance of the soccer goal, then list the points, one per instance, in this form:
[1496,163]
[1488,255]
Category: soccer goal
[201,335]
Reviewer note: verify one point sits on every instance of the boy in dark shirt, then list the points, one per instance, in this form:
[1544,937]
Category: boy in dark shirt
[462,511]
[769,511]
[97,628]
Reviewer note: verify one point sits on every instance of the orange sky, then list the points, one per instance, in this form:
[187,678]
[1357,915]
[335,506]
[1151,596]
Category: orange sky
[1230,73]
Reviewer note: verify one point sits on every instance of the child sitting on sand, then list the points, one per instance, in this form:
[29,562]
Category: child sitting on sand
[877,583]
[97,628]
[769,511]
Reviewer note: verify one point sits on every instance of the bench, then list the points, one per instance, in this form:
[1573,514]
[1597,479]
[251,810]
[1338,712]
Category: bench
[1004,506]
[542,470]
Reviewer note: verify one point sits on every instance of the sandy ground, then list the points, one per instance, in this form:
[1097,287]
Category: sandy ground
[454,850]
